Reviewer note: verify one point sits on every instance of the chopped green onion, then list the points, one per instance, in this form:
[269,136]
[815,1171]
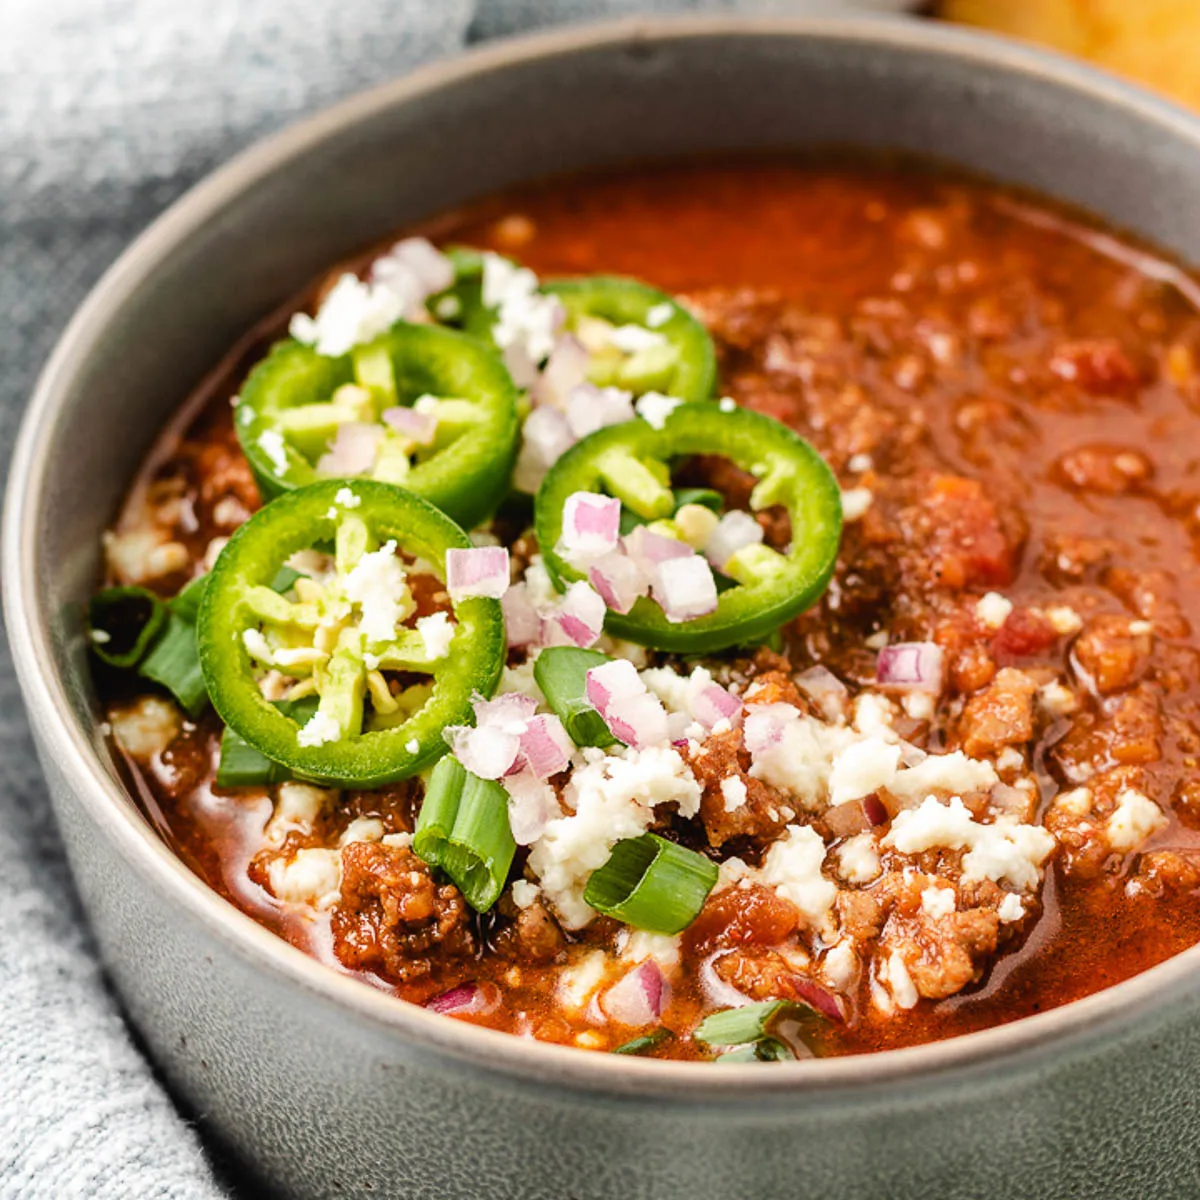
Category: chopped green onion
[122,622]
[652,884]
[163,646]
[463,829]
[769,1049]
[751,1023]
[174,660]
[639,1045]
[242,765]
[561,673]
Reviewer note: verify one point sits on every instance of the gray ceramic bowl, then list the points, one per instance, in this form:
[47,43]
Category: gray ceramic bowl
[325,1087]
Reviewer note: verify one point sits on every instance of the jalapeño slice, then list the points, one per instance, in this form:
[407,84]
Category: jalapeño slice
[428,408]
[637,337]
[766,588]
[387,682]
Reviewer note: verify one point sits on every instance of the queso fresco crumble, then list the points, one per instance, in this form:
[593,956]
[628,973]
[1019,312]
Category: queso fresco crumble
[791,654]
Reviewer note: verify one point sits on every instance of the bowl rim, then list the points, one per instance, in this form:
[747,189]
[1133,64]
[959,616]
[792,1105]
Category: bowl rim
[518,1059]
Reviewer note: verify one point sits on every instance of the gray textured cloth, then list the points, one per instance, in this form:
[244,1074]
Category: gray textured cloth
[108,110]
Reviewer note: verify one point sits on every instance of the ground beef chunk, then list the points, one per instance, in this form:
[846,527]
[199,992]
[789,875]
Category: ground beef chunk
[1113,652]
[533,936]
[1078,821]
[763,974]
[394,917]
[1097,365]
[1109,470]
[943,953]
[762,814]
[968,542]
[1000,715]
[1126,731]
[1165,874]
[223,472]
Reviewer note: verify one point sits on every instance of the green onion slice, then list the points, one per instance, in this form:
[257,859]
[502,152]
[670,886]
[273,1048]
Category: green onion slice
[122,622]
[652,884]
[463,829]
[639,1045]
[750,1023]
[769,1049]
[561,673]
[158,639]
[241,765]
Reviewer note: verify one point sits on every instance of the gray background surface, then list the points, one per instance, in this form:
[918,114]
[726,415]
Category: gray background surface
[109,109]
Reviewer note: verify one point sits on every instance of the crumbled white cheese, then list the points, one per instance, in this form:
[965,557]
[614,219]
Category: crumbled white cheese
[362,829]
[863,768]
[798,760]
[146,727]
[521,679]
[1075,803]
[938,901]
[993,610]
[610,797]
[792,865]
[524,893]
[733,790]
[270,442]
[527,321]
[727,404]
[1063,619]
[379,587]
[1003,851]
[1054,700]
[400,841]
[297,807]
[660,314]
[412,745]
[855,502]
[636,945]
[858,859]
[633,339]
[577,983]
[877,640]
[352,312]
[346,498]
[1009,759]
[858,463]
[873,715]
[319,731]
[954,773]
[654,408]
[920,706]
[1010,909]
[1141,628]
[437,633]
[894,972]
[731,872]
[311,877]
[1134,819]
[840,965]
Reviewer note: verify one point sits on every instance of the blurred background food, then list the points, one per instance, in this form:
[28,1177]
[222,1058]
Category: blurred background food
[1154,41]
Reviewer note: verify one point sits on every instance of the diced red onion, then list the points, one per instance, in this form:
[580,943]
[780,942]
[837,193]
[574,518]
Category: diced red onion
[846,820]
[352,451]
[479,571]
[521,620]
[509,711]
[874,810]
[828,1003]
[915,666]
[532,805]
[414,268]
[617,680]
[765,724]
[420,427]
[685,587]
[619,580]
[465,999]
[715,703]
[735,530]
[565,369]
[489,752]
[648,550]
[639,998]
[591,526]
[545,746]
[639,721]
[590,408]
[579,620]
[545,436]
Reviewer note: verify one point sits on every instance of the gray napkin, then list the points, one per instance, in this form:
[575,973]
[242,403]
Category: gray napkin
[108,110]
